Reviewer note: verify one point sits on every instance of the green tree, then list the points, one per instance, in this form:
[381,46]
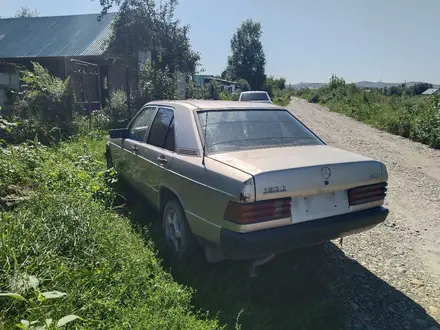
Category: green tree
[270,86]
[336,82]
[281,83]
[247,60]
[26,12]
[420,88]
[107,4]
[155,85]
[44,106]
[117,109]
[244,85]
[143,26]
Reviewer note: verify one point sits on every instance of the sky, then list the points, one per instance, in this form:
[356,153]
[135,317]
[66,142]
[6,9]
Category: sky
[305,40]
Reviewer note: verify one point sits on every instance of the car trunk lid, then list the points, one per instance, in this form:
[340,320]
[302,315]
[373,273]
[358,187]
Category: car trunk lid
[315,177]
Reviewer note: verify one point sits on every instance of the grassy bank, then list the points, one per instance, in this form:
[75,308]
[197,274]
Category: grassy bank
[63,237]
[414,117]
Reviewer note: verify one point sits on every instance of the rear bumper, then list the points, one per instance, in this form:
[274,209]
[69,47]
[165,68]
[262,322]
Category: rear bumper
[236,245]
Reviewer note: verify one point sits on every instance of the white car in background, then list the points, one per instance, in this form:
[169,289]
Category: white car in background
[255,96]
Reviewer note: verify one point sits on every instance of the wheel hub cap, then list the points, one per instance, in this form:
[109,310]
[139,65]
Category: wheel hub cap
[173,230]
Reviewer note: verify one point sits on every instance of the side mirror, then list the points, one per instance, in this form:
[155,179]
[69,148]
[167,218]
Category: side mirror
[119,133]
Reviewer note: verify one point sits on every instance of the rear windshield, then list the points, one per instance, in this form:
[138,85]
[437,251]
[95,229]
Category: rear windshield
[254,97]
[235,130]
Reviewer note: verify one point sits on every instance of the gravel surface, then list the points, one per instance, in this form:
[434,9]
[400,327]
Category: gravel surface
[394,282]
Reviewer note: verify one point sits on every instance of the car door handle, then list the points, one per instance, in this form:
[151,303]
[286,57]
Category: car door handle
[162,160]
[135,148]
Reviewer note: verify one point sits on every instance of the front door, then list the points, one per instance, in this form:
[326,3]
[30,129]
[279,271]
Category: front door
[134,144]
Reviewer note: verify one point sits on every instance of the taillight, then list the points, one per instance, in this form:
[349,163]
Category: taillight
[367,194]
[246,213]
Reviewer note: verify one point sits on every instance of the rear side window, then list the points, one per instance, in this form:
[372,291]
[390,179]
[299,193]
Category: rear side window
[235,130]
[170,143]
[161,127]
[254,97]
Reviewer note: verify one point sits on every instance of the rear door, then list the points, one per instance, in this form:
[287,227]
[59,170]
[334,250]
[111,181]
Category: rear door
[134,144]
[159,149]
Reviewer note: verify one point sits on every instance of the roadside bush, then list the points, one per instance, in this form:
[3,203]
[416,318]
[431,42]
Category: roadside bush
[282,97]
[314,98]
[156,84]
[194,93]
[426,123]
[116,110]
[414,117]
[44,107]
[8,130]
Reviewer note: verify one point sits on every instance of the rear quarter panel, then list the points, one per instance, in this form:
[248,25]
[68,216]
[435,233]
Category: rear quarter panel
[204,191]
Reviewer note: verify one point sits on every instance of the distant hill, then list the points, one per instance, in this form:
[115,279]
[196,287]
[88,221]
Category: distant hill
[360,84]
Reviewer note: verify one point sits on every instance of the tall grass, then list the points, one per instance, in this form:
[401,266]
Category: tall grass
[65,238]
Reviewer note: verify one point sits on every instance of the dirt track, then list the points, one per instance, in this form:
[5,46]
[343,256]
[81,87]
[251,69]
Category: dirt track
[405,250]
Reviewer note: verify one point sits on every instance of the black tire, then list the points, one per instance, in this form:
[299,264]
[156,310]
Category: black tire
[178,236]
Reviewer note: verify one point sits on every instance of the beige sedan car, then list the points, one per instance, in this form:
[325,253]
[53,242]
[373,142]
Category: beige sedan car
[244,180]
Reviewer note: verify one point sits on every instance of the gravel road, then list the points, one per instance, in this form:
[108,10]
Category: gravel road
[404,252]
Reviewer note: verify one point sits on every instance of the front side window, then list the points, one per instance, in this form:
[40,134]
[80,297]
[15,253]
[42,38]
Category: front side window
[141,124]
[235,130]
[160,128]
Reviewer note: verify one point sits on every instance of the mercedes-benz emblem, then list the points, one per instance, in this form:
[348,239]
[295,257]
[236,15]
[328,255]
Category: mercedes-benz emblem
[326,173]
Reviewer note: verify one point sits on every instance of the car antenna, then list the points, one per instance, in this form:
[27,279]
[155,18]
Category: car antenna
[204,139]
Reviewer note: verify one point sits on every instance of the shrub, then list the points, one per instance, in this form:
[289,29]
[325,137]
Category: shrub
[44,107]
[156,84]
[117,109]
[194,93]
[270,86]
[314,98]
[235,96]
[212,90]
[8,130]
[225,96]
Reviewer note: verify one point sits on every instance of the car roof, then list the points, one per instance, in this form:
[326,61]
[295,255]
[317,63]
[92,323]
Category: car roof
[207,105]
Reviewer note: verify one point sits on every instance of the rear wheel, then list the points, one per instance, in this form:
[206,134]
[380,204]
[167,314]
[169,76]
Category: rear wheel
[178,236]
